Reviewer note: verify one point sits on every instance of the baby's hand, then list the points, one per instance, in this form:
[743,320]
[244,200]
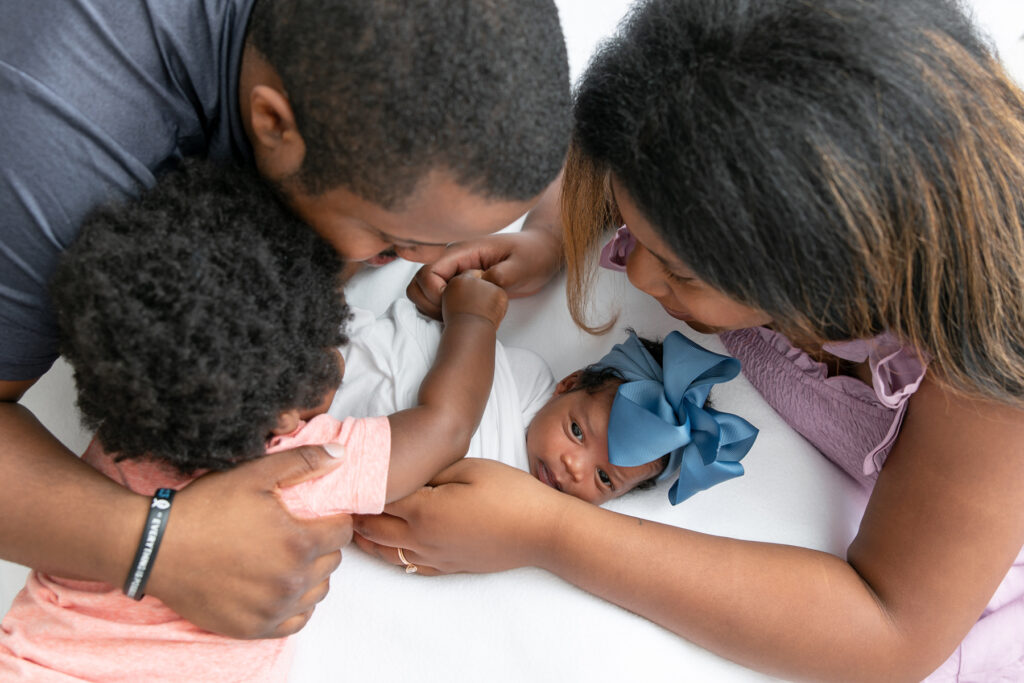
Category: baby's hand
[468,292]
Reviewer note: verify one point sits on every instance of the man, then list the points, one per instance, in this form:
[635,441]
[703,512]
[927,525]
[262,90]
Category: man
[392,128]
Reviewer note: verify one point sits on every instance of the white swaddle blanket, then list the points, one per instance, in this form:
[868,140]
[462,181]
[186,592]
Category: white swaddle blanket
[387,358]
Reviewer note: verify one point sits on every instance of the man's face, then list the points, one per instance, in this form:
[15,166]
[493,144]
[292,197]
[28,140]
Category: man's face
[438,213]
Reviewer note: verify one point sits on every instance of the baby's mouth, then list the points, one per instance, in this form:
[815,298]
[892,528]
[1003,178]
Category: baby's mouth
[545,476]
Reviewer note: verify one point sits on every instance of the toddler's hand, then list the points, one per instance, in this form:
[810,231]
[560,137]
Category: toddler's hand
[469,292]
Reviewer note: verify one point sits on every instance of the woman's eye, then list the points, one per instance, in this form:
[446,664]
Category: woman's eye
[675,277]
[605,479]
[576,431]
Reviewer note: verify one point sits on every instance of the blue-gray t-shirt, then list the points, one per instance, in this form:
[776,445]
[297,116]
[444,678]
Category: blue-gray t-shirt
[96,97]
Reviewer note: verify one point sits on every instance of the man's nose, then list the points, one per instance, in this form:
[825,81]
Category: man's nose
[421,253]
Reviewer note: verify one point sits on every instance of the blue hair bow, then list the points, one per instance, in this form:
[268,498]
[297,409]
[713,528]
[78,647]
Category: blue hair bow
[660,409]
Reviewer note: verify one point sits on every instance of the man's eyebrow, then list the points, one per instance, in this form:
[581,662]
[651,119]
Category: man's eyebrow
[406,240]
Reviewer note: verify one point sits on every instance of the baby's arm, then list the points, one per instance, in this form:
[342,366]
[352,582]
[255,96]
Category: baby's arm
[436,432]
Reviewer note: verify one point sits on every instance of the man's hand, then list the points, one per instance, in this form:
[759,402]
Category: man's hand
[521,263]
[233,561]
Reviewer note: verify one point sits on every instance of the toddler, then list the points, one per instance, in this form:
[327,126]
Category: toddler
[201,341]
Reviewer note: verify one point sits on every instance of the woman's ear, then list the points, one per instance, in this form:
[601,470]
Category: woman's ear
[287,422]
[568,382]
[277,144]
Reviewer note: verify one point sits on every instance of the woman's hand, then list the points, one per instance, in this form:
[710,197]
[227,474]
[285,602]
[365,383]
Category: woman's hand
[478,516]
[521,263]
[233,561]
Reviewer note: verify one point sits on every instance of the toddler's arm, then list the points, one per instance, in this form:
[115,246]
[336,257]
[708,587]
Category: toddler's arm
[436,432]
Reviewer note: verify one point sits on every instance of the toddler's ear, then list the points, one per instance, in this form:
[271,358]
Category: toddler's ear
[286,423]
[568,382]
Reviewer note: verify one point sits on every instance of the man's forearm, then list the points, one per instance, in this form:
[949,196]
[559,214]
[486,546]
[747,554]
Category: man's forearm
[57,514]
[546,216]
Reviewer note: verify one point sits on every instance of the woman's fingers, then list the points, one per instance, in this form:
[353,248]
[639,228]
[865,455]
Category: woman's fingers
[385,529]
[390,555]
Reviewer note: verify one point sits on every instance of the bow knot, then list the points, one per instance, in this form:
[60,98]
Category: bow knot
[660,410]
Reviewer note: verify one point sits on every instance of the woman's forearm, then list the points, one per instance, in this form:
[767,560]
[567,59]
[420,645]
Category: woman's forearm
[58,514]
[790,611]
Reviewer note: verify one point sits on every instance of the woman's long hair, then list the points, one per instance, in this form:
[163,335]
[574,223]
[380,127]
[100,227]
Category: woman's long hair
[848,167]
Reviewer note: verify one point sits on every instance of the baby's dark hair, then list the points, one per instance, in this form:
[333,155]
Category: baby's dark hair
[595,378]
[384,92]
[195,315]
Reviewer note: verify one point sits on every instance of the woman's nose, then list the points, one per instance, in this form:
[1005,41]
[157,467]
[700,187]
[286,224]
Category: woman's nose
[644,272]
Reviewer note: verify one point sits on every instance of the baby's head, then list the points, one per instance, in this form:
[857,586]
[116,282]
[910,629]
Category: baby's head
[567,440]
[635,417]
[199,319]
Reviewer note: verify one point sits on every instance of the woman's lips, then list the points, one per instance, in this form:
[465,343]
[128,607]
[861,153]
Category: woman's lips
[678,315]
[691,321]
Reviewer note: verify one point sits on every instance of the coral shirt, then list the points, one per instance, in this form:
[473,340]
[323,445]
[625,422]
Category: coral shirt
[65,630]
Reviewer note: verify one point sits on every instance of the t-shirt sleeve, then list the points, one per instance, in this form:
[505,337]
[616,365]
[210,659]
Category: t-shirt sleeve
[358,484]
[97,98]
[534,380]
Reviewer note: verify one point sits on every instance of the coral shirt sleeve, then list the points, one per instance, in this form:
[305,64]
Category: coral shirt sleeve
[358,484]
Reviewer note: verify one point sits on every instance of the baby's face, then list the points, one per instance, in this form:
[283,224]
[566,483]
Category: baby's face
[567,446]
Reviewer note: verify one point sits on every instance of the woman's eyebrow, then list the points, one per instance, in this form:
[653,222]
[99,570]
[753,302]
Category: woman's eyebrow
[661,259]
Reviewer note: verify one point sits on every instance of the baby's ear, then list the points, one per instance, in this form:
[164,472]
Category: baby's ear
[286,423]
[568,382]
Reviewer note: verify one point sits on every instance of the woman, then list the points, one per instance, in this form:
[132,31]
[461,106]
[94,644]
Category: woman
[835,185]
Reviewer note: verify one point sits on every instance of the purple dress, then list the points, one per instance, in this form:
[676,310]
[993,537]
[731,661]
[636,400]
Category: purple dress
[855,426]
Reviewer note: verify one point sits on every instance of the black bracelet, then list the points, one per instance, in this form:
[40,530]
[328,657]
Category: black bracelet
[152,534]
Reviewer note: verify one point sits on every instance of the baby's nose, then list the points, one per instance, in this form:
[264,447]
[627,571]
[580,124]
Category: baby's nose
[573,462]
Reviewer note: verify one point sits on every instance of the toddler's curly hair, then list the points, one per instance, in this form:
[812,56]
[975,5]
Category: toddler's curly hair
[195,315]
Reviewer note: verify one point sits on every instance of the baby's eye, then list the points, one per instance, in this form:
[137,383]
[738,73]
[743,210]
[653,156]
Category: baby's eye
[605,479]
[576,431]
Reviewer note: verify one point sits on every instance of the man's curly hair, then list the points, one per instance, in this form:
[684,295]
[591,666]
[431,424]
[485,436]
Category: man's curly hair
[195,315]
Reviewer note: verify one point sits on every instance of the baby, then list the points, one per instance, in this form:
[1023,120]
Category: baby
[636,416]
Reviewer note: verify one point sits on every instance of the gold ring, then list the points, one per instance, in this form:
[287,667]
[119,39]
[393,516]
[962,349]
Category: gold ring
[410,568]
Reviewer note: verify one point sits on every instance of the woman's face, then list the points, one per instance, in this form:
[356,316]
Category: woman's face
[653,268]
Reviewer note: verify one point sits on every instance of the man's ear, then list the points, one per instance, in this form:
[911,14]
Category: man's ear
[277,144]
[286,423]
[568,382]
